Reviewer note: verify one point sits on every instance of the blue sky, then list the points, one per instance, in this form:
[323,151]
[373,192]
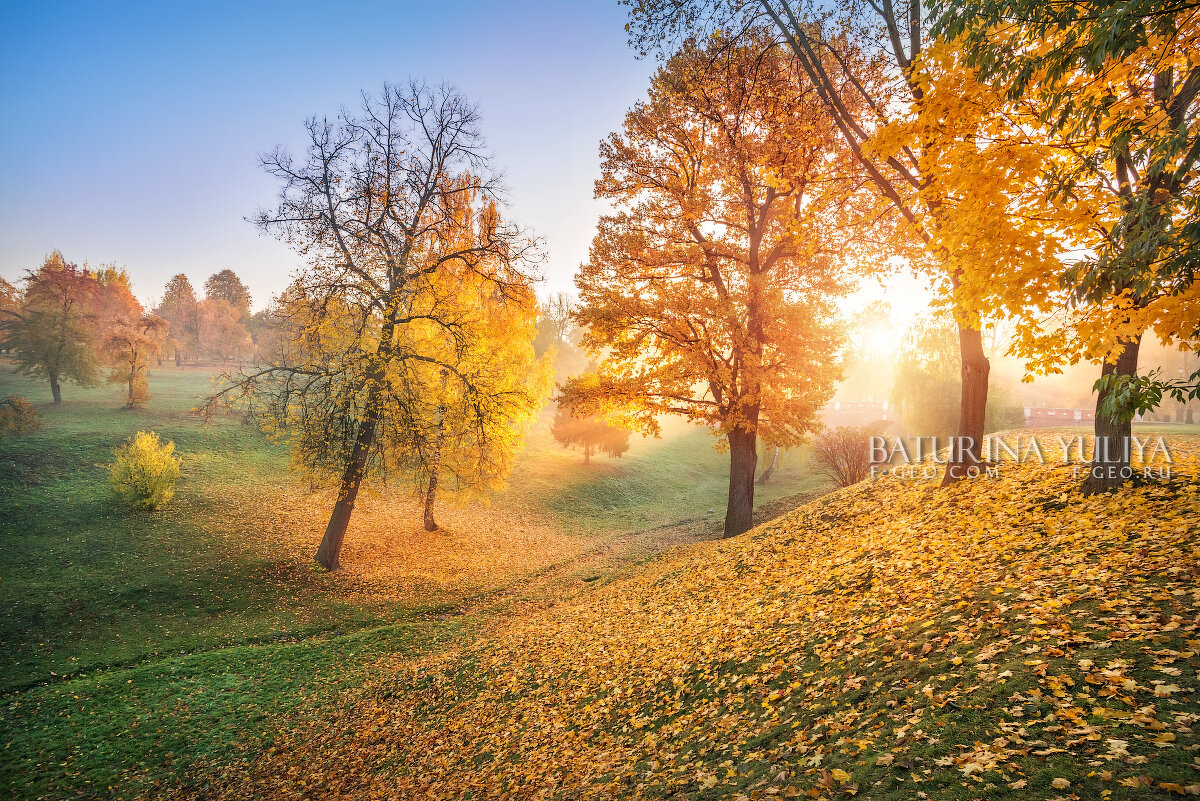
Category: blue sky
[131,130]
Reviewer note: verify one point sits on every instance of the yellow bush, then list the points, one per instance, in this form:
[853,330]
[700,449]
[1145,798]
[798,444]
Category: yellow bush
[145,472]
[17,417]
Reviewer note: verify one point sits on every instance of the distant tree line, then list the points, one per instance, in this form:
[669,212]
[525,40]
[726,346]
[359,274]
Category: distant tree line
[218,327]
[65,322]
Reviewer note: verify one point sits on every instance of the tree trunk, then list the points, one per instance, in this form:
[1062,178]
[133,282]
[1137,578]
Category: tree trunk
[55,389]
[178,358]
[587,454]
[335,532]
[766,474]
[436,463]
[430,495]
[743,459]
[1110,450]
[965,458]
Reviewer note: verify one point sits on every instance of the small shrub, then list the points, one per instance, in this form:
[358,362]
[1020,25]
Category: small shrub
[17,417]
[844,454]
[145,472]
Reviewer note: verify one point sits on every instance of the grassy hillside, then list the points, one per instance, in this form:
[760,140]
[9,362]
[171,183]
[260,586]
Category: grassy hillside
[89,584]
[1005,638]
[155,639]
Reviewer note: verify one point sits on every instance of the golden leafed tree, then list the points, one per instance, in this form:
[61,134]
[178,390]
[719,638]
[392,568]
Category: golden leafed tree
[711,292]
[1096,106]
[395,208]
[1064,142]
[468,425]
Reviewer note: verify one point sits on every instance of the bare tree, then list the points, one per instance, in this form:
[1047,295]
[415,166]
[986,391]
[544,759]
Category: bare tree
[558,309]
[844,454]
[395,207]
[555,321]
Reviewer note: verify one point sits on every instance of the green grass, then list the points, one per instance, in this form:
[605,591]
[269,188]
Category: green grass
[141,646]
[152,640]
[87,737]
[88,583]
[679,476]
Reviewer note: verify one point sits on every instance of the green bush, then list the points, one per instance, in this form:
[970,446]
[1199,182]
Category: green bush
[145,472]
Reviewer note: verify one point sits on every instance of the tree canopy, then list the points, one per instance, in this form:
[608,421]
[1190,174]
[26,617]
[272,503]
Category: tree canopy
[226,286]
[864,61]
[1079,118]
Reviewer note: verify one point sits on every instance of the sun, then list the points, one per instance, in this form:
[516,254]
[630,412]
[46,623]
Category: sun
[879,341]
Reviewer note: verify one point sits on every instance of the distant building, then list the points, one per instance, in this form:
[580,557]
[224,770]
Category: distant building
[874,413]
[1038,417]
[855,413]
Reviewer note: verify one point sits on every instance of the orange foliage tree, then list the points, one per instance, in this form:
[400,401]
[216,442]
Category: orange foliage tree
[221,334]
[710,293]
[50,330]
[124,334]
[592,434]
